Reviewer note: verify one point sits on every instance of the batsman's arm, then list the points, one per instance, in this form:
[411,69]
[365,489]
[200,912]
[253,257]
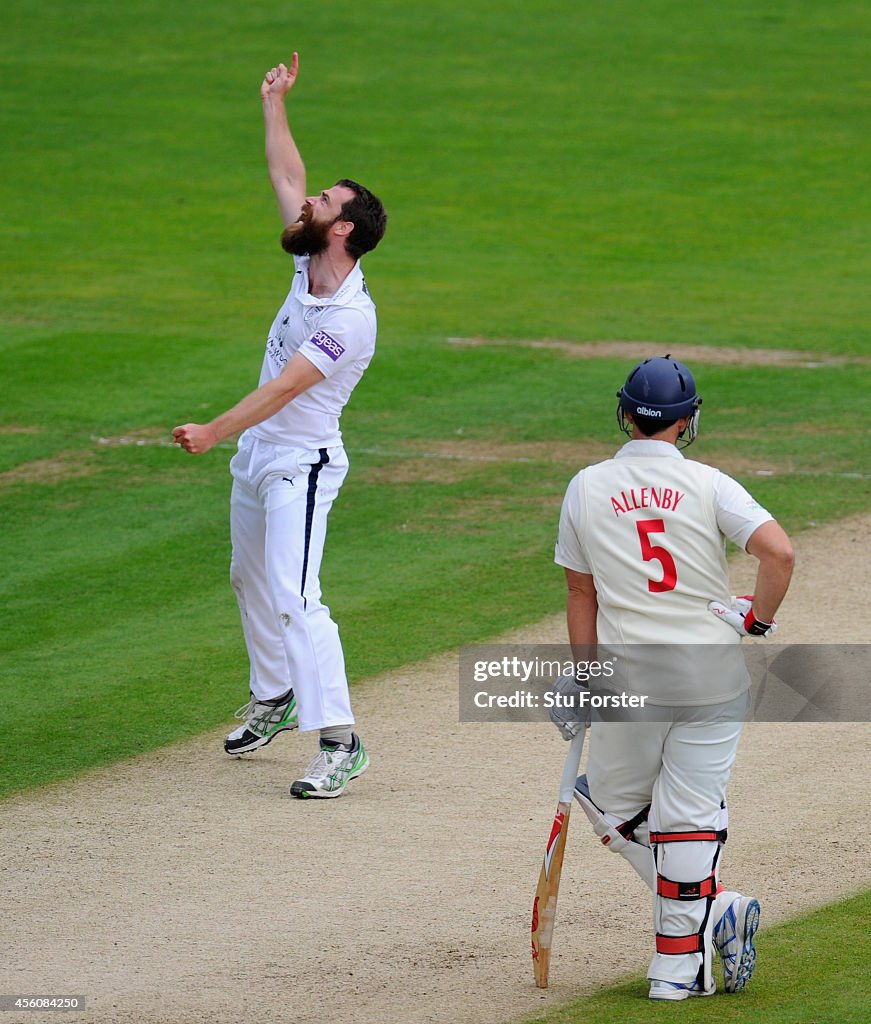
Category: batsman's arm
[582,607]
[286,168]
[770,544]
[298,376]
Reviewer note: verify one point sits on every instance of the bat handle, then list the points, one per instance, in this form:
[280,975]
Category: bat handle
[571,766]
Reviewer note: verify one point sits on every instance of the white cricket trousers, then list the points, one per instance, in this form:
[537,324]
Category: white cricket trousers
[279,505]
[681,769]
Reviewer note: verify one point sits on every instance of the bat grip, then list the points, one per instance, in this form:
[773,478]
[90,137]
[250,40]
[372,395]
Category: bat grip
[571,766]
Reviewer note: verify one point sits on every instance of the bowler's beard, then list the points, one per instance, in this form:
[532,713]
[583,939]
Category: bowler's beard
[306,237]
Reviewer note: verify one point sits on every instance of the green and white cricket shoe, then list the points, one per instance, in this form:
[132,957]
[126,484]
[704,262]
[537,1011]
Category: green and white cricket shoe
[332,769]
[264,719]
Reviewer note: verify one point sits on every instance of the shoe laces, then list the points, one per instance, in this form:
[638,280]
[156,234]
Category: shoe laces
[243,711]
[256,711]
[322,763]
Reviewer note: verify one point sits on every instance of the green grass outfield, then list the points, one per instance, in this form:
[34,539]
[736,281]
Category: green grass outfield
[667,173]
[673,175]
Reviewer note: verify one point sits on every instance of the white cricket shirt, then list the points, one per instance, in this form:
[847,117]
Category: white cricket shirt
[650,526]
[337,335]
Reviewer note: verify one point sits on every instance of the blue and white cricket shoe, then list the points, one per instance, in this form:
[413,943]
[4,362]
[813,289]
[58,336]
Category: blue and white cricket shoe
[675,990]
[736,919]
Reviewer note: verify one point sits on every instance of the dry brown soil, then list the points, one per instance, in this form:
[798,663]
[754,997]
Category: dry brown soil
[632,351]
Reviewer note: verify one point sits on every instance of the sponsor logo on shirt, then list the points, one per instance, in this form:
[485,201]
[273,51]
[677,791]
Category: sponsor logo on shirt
[327,344]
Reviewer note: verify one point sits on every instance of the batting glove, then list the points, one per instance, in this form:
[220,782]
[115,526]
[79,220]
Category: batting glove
[739,615]
[565,708]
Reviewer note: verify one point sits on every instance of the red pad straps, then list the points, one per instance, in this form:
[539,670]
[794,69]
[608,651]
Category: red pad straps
[705,889]
[679,944]
[708,836]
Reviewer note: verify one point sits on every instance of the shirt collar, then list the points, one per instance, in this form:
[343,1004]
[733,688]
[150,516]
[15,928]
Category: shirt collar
[647,448]
[350,287]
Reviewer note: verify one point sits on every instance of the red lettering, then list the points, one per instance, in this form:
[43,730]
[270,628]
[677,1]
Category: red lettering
[647,497]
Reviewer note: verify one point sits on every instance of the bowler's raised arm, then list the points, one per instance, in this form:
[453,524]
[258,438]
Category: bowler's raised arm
[286,169]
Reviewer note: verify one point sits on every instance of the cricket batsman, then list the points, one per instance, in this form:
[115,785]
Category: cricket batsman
[642,542]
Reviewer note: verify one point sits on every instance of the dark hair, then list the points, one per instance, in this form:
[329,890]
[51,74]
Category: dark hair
[366,212]
[650,425]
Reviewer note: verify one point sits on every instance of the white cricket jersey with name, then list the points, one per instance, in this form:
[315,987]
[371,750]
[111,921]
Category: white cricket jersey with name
[337,335]
[649,525]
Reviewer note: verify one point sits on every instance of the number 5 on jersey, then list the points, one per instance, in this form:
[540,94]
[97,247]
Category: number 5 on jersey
[657,553]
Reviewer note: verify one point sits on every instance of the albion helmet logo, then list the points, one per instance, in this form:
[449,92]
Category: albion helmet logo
[642,410]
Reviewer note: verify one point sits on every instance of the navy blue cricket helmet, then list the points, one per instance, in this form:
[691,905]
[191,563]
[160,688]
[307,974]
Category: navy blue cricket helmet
[660,389]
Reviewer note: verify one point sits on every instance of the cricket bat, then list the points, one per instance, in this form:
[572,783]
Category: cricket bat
[544,907]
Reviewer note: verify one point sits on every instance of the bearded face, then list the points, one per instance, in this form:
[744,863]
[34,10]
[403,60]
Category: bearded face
[306,237]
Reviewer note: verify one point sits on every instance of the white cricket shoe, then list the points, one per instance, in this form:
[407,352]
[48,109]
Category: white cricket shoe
[736,919]
[676,990]
[332,769]
[264,719]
